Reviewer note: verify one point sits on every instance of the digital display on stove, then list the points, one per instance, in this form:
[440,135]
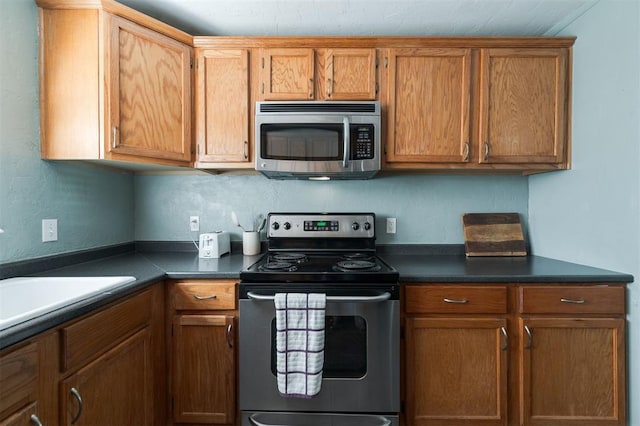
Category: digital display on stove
[321,225]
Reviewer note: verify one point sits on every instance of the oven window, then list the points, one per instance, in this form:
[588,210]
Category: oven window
[345,347]
[302,142]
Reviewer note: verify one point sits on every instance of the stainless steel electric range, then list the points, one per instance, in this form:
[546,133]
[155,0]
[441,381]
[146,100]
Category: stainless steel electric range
[333,254]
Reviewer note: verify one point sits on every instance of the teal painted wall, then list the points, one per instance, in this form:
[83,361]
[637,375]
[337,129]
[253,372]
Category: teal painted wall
[94,207]
[591,214]
[428,209]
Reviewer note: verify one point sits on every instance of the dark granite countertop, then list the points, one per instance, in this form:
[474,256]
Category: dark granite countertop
[151,266]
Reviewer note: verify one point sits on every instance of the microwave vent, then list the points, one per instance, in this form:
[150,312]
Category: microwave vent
[322,107]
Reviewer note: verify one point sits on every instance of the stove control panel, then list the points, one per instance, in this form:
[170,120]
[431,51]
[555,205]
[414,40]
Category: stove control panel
[325,225]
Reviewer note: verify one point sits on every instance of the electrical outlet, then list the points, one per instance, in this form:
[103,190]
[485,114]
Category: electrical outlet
[194,223]
[49,230]
[391,225]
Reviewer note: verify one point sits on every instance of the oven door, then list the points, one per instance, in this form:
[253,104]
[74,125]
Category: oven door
[361,368]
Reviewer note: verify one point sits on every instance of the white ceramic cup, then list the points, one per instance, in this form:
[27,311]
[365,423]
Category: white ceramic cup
[250,243]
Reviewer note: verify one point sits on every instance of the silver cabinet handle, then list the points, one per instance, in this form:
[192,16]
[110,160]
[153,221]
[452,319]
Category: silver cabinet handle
[529,338]
[457,301]
[505,345]
[115,137]
[35,420]
[245,150]
[486,151]
[329,87]
[310,88]
[76,394]
[346,140]
[254,422]
[380,298]
[229,340]
[213,296]
[575,301]
[465,154]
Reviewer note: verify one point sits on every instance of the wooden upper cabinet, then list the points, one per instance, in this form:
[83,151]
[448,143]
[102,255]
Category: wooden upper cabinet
[113,89]
[287,74]
[150,93]
[222,107]
[350,74]
[428,105]
[523,105]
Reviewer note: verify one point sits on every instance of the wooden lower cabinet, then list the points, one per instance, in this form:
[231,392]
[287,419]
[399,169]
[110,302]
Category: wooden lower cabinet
[115,389]
[203,351]
[105,368]
[458,371]
[527,355]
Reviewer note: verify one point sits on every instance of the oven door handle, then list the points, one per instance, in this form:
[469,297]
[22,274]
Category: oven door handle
[380,298]
[254,422]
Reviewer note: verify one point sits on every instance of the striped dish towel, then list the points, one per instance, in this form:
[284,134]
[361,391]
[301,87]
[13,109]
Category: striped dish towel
[299,343]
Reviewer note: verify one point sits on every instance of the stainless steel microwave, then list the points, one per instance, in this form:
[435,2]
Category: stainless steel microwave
[317,140]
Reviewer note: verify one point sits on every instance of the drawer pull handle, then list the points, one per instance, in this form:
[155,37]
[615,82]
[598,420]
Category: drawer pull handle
[77,396]
[35,420]
[529,338]
[213,296]
[457,301]
[505,345]
[577,302]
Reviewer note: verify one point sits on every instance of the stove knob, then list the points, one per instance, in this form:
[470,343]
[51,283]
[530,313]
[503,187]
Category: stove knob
[275,226]
[367,226]
[355,226]
[286,226]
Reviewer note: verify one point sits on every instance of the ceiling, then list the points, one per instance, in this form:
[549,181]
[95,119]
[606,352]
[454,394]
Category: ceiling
[365,17]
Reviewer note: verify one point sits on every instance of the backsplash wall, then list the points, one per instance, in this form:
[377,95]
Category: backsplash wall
[428,208]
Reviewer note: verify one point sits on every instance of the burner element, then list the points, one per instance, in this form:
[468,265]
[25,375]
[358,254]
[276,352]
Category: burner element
[290,257]
[356,265]
[357,256]
[278,266]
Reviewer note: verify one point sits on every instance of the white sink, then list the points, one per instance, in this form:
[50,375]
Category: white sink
[24,298]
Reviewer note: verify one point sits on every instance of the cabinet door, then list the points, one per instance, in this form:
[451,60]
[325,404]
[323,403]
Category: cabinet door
[573,372]
[350,74]
[428,105]
[287,74]
[222,106]
[28,416]
[456,371]
[115,389]
[204,369]
[149,87]
[523,105]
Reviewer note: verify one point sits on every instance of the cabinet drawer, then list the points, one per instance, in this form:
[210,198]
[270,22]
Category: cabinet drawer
[204,295]
[18,378]
[91,336]
[456,299]
[572,300]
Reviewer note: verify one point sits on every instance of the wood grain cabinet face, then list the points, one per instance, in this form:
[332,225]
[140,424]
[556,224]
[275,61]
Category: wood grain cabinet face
[350,74]
[456,371]
[222,107]
[428,105]
[523,105]
[19,374]
[457,346]
[203,319]
[287,74]
[573,371]
[150,93]
[572,356]
[111,89]
[115,389]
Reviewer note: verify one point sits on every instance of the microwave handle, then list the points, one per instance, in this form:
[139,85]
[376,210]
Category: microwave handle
[346,140]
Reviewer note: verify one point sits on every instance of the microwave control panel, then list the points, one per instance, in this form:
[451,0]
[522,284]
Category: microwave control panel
[362,142]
